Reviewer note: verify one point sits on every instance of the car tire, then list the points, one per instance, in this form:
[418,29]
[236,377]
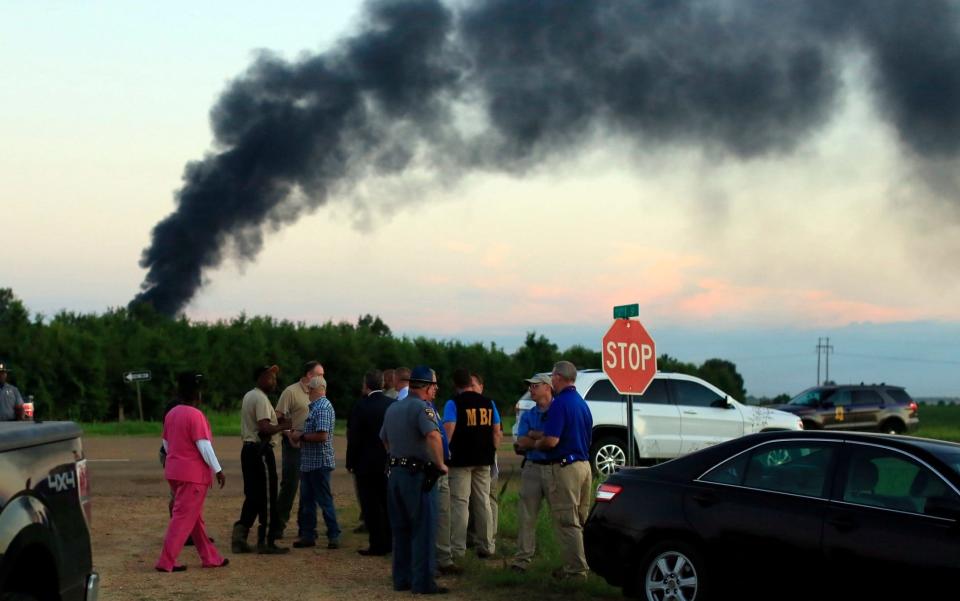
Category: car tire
[893,426]
[670,567]
[608,454]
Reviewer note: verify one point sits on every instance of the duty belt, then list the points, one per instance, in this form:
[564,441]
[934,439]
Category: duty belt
[412,463]
[563,461]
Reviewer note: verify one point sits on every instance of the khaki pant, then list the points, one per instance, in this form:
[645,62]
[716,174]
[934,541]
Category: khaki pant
[470,493]
[569,493]
[444,558]
[532,494]
[494,512]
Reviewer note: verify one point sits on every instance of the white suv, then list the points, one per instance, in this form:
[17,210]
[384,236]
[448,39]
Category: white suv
[678,414]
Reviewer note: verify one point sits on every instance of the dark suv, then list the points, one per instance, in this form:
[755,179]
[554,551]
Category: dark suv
[871,407]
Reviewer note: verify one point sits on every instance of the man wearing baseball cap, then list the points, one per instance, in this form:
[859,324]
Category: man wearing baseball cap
[11,402]
[259,429]
[533,484]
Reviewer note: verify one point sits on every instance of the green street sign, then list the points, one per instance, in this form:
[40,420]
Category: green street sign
[626,311]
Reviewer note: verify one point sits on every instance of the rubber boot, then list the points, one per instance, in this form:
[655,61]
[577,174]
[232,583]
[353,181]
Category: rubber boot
[238,542]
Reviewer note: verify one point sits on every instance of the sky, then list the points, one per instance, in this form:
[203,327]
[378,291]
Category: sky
[103,104]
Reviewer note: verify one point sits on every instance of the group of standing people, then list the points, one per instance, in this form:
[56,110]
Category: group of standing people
[424,478]
[555,440]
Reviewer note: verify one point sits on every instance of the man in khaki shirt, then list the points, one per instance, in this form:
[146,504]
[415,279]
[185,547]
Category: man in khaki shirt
[259,429]
[293,403]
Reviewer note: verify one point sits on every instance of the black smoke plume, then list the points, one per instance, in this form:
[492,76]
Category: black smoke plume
[744,78]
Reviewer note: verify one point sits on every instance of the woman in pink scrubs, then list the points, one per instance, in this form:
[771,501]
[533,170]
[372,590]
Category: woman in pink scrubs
[190,465]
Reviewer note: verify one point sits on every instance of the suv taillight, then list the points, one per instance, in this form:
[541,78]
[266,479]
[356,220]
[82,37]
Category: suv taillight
[83,489]
[607,492]
[913,408]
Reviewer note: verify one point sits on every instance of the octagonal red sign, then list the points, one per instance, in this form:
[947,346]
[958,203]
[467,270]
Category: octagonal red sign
[629,356]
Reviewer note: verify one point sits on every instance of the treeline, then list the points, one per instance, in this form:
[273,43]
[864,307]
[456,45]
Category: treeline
[73,364]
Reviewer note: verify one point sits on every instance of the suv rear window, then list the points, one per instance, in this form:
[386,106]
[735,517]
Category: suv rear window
[899,395]
[603,390]
[867,397]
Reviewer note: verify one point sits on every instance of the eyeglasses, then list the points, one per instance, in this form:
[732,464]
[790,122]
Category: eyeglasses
[535,384]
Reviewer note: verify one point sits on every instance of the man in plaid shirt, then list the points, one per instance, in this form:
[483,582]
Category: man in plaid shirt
[316,463]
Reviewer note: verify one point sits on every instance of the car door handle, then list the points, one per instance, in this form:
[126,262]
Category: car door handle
[705,499]
[843,523]
[690,413]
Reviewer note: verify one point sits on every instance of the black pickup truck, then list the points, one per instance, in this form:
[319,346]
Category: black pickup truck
[44,514]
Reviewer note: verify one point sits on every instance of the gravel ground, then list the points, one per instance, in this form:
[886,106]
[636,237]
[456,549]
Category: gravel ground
[130,517]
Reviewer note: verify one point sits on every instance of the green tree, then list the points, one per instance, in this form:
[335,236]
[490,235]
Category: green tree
[724,375]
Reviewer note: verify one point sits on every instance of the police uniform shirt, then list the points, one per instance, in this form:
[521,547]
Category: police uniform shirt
[10,399]
[256,406]
[406,426]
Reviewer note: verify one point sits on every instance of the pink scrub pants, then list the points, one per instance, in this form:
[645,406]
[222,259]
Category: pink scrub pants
[187,520]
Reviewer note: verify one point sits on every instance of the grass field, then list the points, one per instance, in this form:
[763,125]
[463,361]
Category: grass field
[940,422]
[495,577]
[222,424]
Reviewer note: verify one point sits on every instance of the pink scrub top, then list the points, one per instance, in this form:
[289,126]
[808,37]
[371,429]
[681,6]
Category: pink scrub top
[182,428]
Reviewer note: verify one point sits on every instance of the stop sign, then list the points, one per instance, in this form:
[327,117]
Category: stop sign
[629,356]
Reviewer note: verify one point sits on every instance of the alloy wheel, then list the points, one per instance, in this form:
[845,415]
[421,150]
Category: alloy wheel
[609,459]
[671,577]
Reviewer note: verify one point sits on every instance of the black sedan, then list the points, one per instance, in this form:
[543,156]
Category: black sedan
[801,515]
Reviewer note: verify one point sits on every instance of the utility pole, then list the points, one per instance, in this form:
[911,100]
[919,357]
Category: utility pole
[819,346]
[825,348]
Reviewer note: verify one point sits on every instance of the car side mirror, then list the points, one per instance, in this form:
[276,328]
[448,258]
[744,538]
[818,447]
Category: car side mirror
[942,507]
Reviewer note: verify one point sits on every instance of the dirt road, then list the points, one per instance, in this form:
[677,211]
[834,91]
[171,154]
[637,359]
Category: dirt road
[130,516]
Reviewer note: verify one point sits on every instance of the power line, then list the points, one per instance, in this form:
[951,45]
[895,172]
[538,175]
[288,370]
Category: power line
[907,359]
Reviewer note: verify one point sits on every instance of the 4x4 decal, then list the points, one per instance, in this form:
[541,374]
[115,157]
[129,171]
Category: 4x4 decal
[62,481]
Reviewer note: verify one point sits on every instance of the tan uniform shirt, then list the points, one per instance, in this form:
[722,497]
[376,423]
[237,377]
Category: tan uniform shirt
[256,406]
[294,403]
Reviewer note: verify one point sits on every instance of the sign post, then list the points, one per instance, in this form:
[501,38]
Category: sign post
[630,361]
[136,377]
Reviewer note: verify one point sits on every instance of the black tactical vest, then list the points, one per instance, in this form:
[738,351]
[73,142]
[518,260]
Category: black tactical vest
[472,442]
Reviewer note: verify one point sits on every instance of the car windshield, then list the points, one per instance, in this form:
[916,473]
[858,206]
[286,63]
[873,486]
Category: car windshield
[810,398]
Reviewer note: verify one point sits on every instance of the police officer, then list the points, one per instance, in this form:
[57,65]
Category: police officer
[567,479]
[11,402]
[411,436]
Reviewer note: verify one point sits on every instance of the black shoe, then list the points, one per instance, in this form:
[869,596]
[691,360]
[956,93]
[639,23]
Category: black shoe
[405,587]
[175,569]
[373,552]
[440,590]
[271,549]
[450,570]
[333,543]
[304,544]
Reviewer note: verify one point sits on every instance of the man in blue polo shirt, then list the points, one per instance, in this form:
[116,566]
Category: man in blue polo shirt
[566,442]
[533,486]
